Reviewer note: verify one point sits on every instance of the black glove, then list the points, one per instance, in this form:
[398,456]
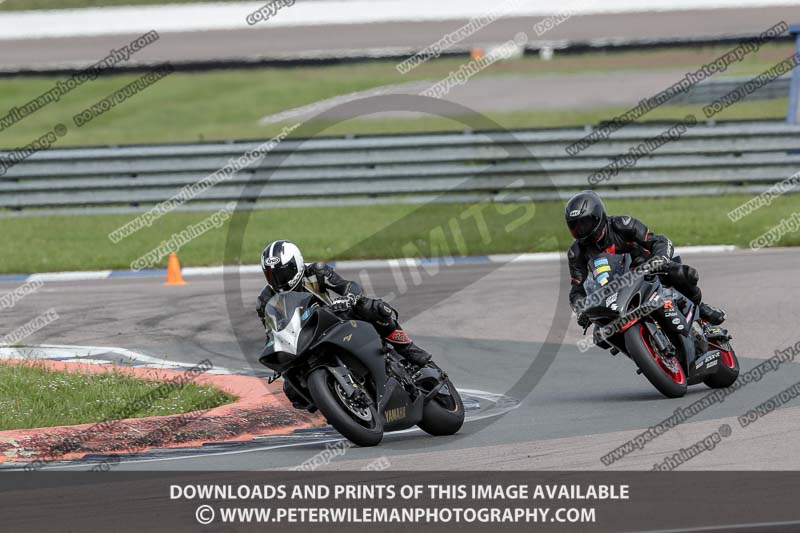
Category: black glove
[657,264]
[343,304]
[583,320]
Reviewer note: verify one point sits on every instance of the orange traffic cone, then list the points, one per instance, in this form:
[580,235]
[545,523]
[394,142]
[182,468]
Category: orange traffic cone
[476,53]
[174,276]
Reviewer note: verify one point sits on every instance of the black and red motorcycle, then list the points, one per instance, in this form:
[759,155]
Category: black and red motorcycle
[657,327]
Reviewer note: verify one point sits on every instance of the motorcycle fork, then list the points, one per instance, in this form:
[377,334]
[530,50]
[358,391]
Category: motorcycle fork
[660,339]
[345,379]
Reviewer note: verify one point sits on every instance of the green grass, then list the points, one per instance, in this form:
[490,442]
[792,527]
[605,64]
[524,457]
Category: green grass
[32,397]
[53,243]
[228,104]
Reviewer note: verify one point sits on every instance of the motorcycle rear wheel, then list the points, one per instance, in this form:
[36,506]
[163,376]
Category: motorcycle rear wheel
[728,370]
[359,424]
[443,414]
[671,382]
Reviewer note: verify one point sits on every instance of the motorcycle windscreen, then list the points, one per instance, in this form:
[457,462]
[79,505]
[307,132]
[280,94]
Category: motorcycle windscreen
[604,268]
[284,315]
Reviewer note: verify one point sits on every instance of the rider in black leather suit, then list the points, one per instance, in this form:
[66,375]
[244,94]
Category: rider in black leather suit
[595,233]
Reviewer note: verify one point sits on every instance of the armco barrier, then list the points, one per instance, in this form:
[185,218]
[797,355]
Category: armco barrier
[707,159]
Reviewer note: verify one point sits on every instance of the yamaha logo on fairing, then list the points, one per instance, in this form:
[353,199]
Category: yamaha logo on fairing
[395,414]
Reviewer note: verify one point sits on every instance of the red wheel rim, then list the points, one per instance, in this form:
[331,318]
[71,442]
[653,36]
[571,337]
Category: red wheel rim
[727,359]
[727,355]
[676,375]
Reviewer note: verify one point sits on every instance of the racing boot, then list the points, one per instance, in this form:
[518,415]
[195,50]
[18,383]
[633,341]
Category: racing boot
[713,315]
[407,349]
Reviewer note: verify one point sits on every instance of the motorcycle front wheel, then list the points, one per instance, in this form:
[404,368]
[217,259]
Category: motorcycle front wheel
[358,423]
[664,372]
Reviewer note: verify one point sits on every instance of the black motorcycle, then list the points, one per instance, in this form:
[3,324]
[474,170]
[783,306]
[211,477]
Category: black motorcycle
[359,383]
[657,327]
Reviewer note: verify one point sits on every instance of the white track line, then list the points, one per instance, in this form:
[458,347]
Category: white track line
[408,262]
[87,353]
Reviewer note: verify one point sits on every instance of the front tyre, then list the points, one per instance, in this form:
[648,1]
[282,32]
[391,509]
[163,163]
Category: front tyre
[444,413]
[664,372]
[359,423]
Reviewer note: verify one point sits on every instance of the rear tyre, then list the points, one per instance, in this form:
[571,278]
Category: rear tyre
[728,365]
[360,424]
[665,373]
[444,413]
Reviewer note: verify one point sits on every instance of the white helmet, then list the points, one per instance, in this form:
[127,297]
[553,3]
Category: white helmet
[283,266]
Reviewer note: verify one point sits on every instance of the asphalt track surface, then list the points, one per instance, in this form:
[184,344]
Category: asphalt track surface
[263,42]
[511,93]
[487,325]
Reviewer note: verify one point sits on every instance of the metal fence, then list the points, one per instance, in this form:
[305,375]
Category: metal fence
[708,159]
[707,91]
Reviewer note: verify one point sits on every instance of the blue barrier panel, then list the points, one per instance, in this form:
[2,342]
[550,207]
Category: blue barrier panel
[794,91]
